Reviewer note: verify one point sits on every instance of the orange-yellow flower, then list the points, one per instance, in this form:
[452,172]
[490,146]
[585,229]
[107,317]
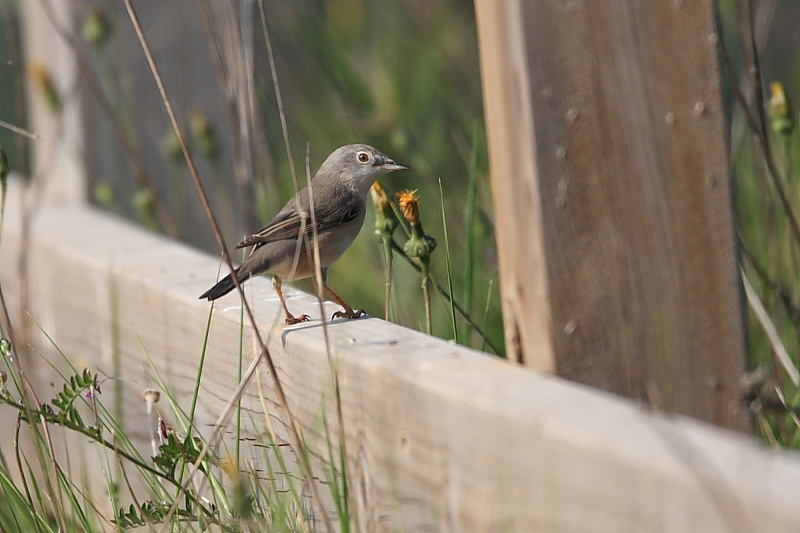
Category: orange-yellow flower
[379,197]
[409,205]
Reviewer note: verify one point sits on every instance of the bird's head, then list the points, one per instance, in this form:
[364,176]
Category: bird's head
[358,166]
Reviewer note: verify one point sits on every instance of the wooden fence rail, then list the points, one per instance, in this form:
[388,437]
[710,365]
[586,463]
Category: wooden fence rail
[438,437]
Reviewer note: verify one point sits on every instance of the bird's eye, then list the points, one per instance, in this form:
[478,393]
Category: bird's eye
[363,157]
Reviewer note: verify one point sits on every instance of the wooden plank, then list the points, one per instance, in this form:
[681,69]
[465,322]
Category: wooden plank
[438,437]
[612,200]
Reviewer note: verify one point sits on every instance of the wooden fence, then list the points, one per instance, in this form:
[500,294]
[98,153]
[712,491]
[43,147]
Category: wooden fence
[609,163]
[437,437]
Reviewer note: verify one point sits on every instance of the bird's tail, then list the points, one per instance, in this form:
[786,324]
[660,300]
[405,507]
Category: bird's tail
[223,286]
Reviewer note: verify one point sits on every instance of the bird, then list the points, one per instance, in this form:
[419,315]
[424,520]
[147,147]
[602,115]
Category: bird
[338,191]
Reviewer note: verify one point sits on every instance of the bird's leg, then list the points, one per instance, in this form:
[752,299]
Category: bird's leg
[290,318]
[348,311]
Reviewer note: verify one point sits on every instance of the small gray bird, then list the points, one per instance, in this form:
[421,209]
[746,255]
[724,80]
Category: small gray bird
[339,190]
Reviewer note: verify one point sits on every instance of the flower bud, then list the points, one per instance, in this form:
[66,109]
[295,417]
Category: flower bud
[385,219]
[778,109]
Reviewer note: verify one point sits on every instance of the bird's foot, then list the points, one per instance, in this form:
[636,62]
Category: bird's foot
[291,320]
[349,313]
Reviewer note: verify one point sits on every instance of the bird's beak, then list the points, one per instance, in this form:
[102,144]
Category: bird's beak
[389,165]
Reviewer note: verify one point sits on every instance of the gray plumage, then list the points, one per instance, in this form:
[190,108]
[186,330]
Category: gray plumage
[339,191]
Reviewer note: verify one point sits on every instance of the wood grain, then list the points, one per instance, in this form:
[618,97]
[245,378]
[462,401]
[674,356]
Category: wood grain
[438,437]
[612,198]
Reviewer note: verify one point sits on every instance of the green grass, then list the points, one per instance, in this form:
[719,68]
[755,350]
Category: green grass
[45,486]
[765,166]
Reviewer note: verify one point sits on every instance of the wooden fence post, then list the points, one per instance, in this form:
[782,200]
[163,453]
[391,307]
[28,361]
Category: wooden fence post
[613,204]
[58,149]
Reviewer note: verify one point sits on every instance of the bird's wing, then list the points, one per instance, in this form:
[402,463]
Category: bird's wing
[288,224]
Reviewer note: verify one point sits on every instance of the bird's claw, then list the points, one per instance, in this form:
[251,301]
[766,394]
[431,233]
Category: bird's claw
[350,313]
[291,320]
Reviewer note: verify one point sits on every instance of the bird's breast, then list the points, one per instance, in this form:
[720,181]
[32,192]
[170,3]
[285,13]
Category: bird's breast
[334,241]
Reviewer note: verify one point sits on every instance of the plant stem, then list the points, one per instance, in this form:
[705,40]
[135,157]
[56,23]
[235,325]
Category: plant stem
[426,296]
[389,259]
[441,290]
